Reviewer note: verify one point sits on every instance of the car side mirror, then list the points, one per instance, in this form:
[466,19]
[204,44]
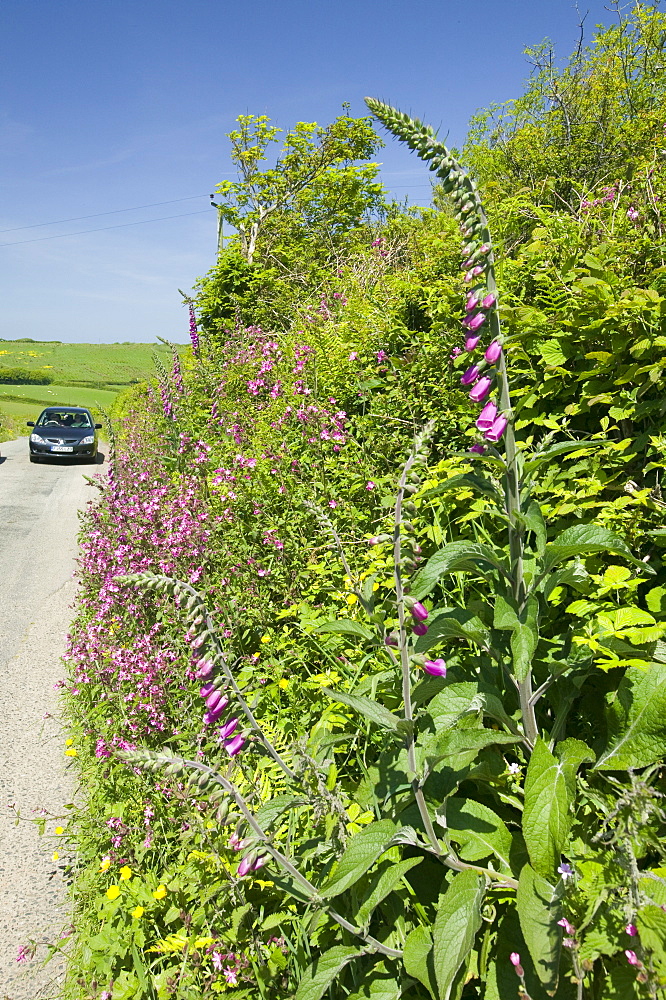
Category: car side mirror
[98,427]
[31,423]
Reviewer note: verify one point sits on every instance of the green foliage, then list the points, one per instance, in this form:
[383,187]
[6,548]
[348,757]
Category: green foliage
[19,376]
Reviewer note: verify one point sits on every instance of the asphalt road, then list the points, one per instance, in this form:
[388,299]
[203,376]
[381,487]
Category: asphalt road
[39,525]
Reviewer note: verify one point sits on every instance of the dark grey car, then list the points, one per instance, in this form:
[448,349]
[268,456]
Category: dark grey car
[64,432]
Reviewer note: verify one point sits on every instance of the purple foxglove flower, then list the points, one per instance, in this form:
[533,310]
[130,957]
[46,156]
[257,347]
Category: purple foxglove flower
[235,746]
[216,701]
[204,668]
[472,302]
[476,271]
[478,449]
[210,718]
[495,432]
[245,866]
[436,668]
[489,301]
[470,375]
[420,628]
[466,263]
[419,612]
[260,862]
[487,416]
[228,728]
[484,248]
[391,639]
[493,352]
[475,322]
[471,342]
[206,689]
[481,389]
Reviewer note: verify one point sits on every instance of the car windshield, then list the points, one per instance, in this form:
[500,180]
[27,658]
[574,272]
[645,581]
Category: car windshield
[64,418]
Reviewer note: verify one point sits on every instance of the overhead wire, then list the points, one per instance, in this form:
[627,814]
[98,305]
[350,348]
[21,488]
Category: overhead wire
[103,229]
[97,215]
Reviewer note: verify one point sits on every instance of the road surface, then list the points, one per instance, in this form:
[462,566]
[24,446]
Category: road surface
[39,507]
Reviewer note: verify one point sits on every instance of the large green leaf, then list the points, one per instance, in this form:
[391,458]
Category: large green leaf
[584,539]
[360,854]
[384,883]
[461,697]
[319,976]
[469,556]
[459,747]
[366,706]
[478,830]
[532,464]
[456,924]
[454,623]
[378,984]
[417,957]
[546,814]
[524,628]
[636,720]
[539,909]
[346,626]
[467,481]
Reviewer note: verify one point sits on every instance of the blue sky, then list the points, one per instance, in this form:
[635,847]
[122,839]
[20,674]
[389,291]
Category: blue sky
[108,105]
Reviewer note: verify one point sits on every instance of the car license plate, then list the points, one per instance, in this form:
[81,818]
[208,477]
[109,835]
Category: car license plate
[60,447]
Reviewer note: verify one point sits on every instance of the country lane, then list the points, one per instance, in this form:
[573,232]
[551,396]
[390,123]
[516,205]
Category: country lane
[39,507]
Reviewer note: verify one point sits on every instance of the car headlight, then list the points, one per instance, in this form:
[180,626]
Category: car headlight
[36,439]
[87,440]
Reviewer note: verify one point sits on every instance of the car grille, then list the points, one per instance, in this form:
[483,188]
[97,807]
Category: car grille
[50,440]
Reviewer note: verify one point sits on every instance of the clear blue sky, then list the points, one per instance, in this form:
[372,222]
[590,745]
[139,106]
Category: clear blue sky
[107,105]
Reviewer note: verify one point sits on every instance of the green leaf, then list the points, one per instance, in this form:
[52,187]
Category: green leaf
[319,976]
[478,831]
[456,623]
[271,811]
[366,706]
[346,627]
[466,481]
[378,984]
[417,957]
[636,720]
[584,539]
[456,924]
[524,629]
[539,909]
[459,747]
[469,556]
[360,854]
[532,464]
[546,814]
[533,521]
[384,883]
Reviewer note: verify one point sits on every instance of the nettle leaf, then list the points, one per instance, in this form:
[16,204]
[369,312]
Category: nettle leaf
[584,539]
[417,956]
[455,623]
[319,976]
[478,831]
[636,720]
[346,626]
[539,909]
[366,706]
[384,882]
[470,556]
[456,924]
[360,854]
[546,814]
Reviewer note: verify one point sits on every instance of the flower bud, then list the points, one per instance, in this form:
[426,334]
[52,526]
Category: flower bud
[493,352]
[418,611]
[436,668]
[228,728]
[245,865]
[260,862]
[216,702]
[471,342]
[472,302]
[478,449]
[487,416]
[206,689]
[481,389]
[391,639]
[420,628]
[470,375]
[631,930]
[514,958]
[489,301]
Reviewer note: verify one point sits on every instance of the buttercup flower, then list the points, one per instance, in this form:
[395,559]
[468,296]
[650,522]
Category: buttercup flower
[113,892]
[160,892]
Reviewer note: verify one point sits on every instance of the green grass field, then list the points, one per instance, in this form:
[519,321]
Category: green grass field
[88,375]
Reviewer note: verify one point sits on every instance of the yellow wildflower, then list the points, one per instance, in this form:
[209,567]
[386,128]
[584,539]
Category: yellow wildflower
[71,752]
[105,864]
[55,856]
[59,830]
[265,638]
[68,743]
[283,683]
[160,892]
[125,873]
[137,912]
[113,892]
[352,598]
[210,825]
